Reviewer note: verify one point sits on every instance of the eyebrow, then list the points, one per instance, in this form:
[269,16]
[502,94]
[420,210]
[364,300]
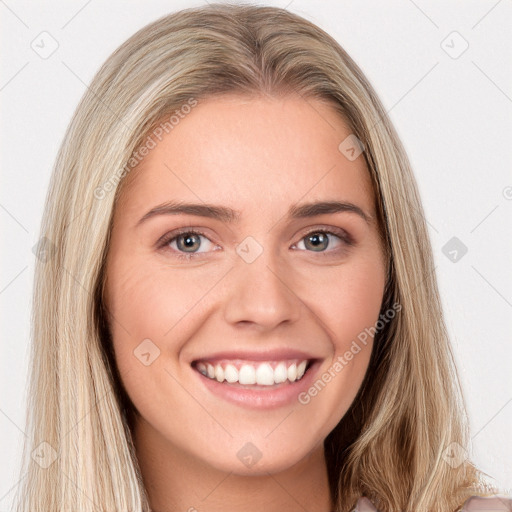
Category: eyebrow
[228,215]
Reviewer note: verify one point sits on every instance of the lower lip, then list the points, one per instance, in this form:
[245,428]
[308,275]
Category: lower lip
[263,397]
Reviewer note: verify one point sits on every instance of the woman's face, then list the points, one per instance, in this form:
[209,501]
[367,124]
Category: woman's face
[268,281]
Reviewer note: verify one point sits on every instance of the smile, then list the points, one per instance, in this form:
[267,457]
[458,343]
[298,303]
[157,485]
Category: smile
[259,373]
[257,384]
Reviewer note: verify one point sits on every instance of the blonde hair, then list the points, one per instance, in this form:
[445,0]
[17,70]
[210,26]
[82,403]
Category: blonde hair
[390,445]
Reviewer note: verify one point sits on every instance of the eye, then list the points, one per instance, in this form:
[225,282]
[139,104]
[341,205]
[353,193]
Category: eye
[319,239]
[184,243]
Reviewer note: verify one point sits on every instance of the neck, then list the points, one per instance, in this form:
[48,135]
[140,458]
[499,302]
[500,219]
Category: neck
[177,481]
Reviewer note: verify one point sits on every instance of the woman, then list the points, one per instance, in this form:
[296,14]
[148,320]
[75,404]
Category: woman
[240,309]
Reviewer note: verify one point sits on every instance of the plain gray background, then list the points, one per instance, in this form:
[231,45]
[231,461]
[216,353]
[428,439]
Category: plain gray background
[442,70]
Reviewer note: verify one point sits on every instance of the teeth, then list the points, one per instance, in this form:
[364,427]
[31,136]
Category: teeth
[301,369]
[247,375]
[219,373]
[280,373]
[262,374]
[230,373]
[292,372]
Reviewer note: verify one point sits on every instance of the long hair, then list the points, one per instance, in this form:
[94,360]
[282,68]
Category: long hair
[391,444]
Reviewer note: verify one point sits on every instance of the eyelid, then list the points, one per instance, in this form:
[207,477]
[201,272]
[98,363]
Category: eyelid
[167,237]
[163,242]
[339,232]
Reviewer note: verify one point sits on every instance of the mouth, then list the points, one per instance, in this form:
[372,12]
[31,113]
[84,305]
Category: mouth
[254,374]
[257,385]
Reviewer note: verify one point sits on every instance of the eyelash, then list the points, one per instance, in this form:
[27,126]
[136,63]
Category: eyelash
[164,241]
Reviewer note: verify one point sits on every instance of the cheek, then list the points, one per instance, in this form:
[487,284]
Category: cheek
[152,302]
[147,305]
[348,300]
[348,306]
[136,302]
[356,304]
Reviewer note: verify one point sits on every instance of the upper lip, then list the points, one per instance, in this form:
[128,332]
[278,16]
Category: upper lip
[279,354]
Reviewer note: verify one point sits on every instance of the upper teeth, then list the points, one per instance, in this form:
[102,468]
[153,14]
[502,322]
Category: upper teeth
[263,374]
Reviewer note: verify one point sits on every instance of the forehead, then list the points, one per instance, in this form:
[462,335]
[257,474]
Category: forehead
[257,151]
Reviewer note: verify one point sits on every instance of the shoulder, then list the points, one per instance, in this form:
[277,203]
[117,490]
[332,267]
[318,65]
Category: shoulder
[494,503]
[365,505]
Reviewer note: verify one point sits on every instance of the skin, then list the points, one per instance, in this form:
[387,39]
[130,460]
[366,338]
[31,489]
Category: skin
[242,153]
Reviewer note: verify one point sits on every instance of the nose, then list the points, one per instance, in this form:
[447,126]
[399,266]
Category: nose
[261,294]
